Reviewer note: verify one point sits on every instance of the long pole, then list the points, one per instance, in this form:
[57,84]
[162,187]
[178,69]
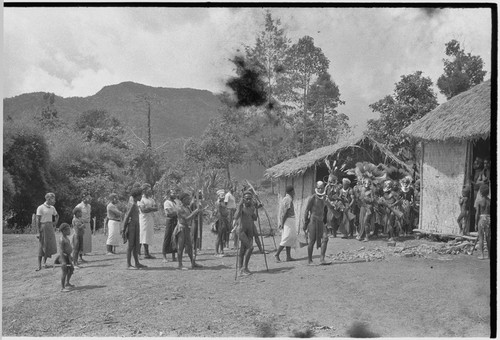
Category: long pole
[265,212]
[262,240]
[237,256]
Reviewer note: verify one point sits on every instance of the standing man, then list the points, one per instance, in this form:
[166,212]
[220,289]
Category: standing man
[46,220]
[366,201]
[314,224]
[85,207]
[131,232]
[287,225]
[244,218]
[147,207]
[197,221]
[346,195]
[230,203]
[333,204]
[170,206]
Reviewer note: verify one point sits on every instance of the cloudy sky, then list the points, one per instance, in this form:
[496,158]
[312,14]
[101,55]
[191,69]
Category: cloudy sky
[75,51]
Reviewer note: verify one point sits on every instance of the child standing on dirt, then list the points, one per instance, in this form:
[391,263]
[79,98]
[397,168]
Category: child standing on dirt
[79,228]
[464,210]
[65,251]
[483,219]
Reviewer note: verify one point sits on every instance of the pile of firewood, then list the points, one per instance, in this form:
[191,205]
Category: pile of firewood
[360,255]
[452,247]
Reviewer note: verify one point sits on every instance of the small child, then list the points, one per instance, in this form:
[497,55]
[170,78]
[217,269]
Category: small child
[464,210]
[483,219]
[65,250]
[79,228]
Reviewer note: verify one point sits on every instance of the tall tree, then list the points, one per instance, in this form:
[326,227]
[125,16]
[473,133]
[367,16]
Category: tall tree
[270,52]
[461,73]
[221,144]
[99,126]
[306,63]
[413,97]
[324,99]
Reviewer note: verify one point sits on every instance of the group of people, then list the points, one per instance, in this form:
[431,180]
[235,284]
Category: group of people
[475,204]
[135,228]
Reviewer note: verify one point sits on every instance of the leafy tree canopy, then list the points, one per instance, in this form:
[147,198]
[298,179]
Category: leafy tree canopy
[461,72]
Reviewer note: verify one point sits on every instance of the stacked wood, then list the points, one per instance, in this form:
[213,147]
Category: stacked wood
[361,254]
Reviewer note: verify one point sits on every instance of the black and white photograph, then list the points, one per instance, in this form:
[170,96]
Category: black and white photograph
[249,170]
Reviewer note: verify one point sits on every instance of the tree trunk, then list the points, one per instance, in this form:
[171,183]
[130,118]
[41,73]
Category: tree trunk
[228,174]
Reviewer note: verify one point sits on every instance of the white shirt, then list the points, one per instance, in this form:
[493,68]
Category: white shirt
[229,199]
[46,212]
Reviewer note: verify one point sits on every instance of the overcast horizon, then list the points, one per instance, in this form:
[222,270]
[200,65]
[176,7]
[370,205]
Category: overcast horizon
[76,51]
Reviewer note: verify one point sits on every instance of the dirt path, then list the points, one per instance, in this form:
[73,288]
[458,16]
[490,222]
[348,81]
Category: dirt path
[436,295]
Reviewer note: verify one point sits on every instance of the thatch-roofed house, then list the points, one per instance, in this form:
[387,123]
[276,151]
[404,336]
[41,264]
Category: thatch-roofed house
[453,135]
[304,171]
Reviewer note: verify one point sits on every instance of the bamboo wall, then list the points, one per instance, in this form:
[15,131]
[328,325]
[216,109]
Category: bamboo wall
[442,176]
[304,188]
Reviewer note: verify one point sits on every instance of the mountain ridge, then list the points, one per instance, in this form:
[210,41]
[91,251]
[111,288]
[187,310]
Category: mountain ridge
[175,112]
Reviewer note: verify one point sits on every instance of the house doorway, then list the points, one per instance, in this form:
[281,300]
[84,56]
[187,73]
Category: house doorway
[480,149]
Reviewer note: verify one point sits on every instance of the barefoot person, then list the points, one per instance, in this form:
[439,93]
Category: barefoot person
[287,225]
[170,207]
[65,251]
[244,218]
[147,207]
[79,228]
[85,207]
[222,224]
[114,216]
[483,219]
[182,232]
[46,220]
[314,224]
[131,232]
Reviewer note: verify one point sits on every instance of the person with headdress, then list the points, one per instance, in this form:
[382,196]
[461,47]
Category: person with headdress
[334,206]
[86,209]
[407,198]
[182,232]
[314,223]
[346,196]
[46,220]
[366,200]
[389,201]
[222,224]
[147,207]
[114,217]
[170,206]
[246,214]
[287,225]
[131,230]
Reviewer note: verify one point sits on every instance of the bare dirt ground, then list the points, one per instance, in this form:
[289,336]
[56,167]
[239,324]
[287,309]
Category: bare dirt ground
[391,296]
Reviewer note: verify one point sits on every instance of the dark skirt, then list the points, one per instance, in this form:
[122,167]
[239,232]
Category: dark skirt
[169,246]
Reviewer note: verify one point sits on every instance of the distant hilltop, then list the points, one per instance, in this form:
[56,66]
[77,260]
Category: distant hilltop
[175,113]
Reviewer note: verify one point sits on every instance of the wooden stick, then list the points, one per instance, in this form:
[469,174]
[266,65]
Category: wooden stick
[265,211]
[262,240]
[237,256]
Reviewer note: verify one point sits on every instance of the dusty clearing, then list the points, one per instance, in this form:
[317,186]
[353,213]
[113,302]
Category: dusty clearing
[394,296]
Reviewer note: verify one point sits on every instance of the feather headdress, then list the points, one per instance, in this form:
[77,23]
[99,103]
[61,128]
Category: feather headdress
[368,170]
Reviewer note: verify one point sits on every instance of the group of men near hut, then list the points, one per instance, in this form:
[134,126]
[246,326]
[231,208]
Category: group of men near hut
[367,209]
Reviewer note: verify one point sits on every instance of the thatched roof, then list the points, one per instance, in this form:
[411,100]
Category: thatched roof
[467,116]
[299,165]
